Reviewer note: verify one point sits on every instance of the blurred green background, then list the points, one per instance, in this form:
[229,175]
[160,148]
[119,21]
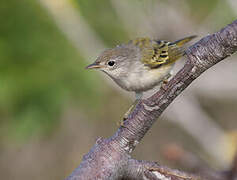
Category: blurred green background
[52,109]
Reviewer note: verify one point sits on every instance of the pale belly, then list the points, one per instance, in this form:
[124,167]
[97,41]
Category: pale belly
[144,80]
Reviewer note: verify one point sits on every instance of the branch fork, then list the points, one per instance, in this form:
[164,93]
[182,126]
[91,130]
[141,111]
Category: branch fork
[109,159]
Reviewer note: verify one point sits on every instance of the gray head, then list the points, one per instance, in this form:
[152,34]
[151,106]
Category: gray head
[116,62]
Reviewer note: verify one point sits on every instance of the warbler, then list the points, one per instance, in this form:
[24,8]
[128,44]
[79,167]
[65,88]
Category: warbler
[142,63]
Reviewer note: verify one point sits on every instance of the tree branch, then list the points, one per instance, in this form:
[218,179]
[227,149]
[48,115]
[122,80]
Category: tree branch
[233,171]
[110,158]
[151,170]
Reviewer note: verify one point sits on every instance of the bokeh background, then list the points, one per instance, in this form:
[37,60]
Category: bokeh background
[52,109]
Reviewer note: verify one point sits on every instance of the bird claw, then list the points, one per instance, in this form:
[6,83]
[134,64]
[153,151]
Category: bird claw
[125,117]
[163,84]
[121,123]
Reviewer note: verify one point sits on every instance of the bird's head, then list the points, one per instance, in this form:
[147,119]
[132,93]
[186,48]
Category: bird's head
[115,62]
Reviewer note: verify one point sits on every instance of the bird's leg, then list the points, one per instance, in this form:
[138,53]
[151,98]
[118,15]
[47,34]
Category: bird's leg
[166,80]
[138,97]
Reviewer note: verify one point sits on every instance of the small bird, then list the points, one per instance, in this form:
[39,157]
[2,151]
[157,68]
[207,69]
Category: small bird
[141,64]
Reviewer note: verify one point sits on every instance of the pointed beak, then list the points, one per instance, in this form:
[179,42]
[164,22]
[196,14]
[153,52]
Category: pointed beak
[94,66]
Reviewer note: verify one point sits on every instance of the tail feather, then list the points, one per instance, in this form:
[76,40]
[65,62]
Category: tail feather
[176,49]
[183,41]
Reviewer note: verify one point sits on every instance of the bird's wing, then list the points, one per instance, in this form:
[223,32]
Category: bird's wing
[153,53]
[157,53]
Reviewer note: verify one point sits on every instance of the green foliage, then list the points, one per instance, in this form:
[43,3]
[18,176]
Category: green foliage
[39,71]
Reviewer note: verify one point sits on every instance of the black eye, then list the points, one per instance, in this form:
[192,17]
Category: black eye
[111,63]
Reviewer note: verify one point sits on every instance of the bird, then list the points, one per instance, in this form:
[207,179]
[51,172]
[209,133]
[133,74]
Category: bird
[140,64]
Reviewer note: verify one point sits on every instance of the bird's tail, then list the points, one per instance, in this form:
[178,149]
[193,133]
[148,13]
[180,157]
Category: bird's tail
[177,49]
[183,41]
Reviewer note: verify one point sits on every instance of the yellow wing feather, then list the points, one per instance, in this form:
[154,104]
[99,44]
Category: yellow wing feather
[157,53]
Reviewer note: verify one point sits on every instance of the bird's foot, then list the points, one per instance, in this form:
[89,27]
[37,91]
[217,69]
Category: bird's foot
[121,123]
[164,82]
[125,117]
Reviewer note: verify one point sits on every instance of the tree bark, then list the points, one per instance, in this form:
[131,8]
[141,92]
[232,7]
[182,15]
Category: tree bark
[110,158]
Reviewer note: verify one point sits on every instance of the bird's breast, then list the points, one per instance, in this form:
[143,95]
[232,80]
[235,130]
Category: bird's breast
[144,79]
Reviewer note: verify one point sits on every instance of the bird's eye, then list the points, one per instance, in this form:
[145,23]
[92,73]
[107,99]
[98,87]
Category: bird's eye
[111,63]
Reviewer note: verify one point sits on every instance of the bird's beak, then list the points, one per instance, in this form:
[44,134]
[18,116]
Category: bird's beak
[94,66]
